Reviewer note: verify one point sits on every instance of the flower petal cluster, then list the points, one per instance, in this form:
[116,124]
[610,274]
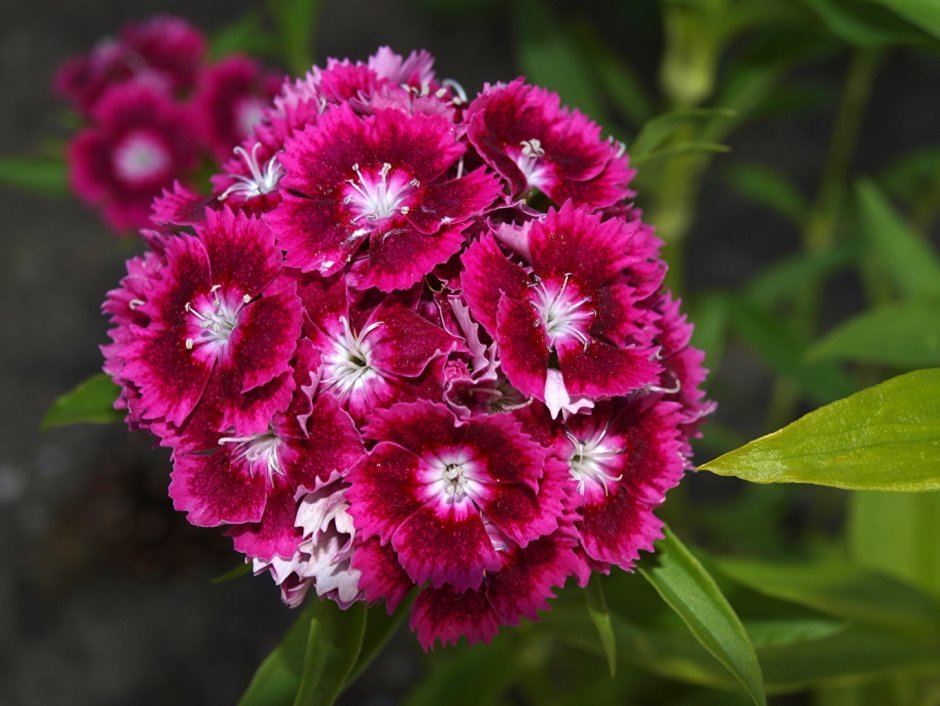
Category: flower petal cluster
[384,370]
[151,106]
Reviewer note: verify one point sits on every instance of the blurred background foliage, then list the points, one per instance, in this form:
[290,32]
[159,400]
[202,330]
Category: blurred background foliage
[837,591]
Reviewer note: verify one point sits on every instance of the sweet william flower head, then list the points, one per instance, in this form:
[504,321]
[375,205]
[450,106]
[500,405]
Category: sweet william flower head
[384,370]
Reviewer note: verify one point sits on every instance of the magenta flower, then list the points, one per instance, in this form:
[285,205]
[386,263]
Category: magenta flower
[372,357]
[139,143]
[164,53]
[223,326]
[572,302]
[382,181]
[231,100]
[380,367]
[523,133]
[430,485]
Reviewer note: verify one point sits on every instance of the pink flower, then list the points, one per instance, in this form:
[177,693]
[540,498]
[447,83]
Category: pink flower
[231,100]
[164,53]
[140,142]
[431,483]
[223,325]
[571,301]
[385,181]
[523,133]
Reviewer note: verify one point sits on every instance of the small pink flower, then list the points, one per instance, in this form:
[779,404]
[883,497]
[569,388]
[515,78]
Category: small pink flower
[232,98]
[430,482]
[164,53]
[571,302]
[139,143]
[382,184]
[523,133]
[223,326]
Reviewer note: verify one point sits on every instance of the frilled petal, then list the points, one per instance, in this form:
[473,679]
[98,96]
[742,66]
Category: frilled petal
[445,543]
[381,576]
[446,614]
[404,343]
[487,275]
[523,345]
[266,336]
[275,535]
[398,258]
[602,370]
[456,200]
[332,445]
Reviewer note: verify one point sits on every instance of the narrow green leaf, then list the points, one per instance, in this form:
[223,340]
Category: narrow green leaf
[710,314]
[692,593]
[380,629]
[466,676]
[923,13]
[842,590]
[783,349]
[600,616]
[91,402]
[863,25]
[618,79]
[681,149]
[232,574]
[38,175]
[334,640]
[658,131]
[775,284]
[245,35]
[907,258]
[904,334]
[549,57]
[886,437]
[768,187]
[296,23]
[277,679]
[778,633]
[896,533]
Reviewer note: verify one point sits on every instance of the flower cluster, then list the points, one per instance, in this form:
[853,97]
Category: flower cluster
[413,342]
[152,105]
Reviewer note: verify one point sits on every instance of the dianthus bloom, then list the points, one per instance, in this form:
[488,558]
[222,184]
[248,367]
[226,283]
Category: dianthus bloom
[152,108]
[384,371]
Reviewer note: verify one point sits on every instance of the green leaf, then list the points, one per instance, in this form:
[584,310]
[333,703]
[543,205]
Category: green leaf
[768,187]
[896,533]
[774,285]
[778,633]
[91,402]
[657,132]
[886,437]
[783,349]
[710,314]
[619,81]
[862,24]
[380,628]
[334,640]
[682,149]
[904,334]
[467,676]
[923,13]
[843,590]
[549,57]
[296,23]
[600,616]
[907,258]
[277,679]
[38,175]
[245,35]
[692,593]
[232,574]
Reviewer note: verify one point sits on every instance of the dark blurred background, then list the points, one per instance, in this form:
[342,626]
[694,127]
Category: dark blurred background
[105,592]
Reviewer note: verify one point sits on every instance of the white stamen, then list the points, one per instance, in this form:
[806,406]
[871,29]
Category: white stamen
[591,461]
[560,315]
[461,95]
[255,449]
[262,180]
[347,368]
[217,322]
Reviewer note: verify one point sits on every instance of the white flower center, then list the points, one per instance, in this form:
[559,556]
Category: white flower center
[563,314]
[451,477]
[592,461]
[216,319]
[346,369]
[377,196]
[263,180]
[534,171]
[140,158]
[258,450]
